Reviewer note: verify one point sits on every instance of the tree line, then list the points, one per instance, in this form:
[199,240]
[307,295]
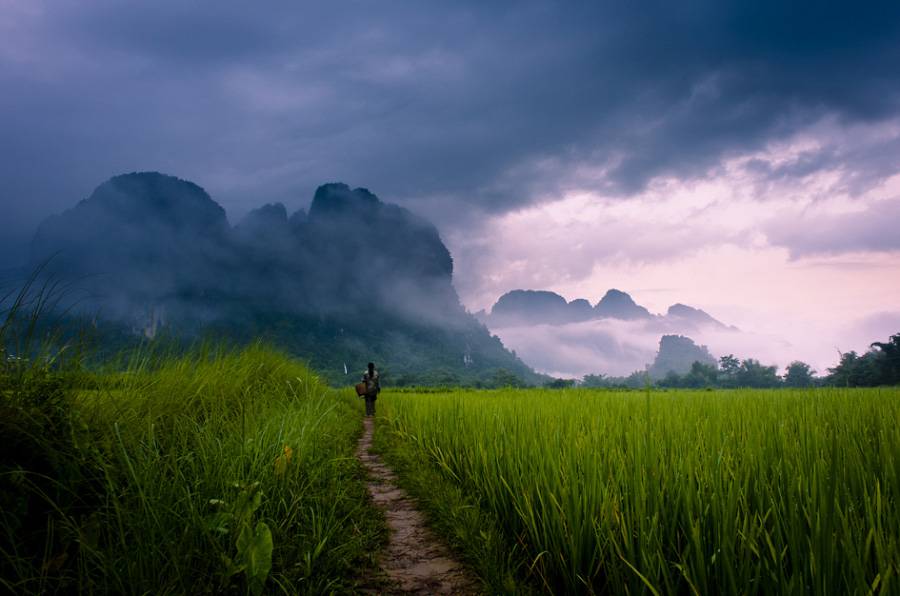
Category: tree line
[878,366]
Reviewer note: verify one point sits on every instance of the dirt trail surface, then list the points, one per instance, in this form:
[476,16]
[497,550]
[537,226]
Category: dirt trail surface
[414,561]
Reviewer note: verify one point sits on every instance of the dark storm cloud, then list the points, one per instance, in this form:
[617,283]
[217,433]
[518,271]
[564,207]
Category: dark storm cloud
[450,107]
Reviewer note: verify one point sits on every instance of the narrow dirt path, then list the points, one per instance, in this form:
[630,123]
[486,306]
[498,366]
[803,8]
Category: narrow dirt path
[414,561]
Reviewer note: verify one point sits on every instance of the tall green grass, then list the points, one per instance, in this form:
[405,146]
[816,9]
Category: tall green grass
[729,492]
[213,472]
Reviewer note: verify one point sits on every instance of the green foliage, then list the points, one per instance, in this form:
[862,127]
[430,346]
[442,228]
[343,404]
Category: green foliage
[40,471]
[253,544]
[559,383]
[701,375]
[890,359]
[878,366]
[799,375]
[731,373]
[636,380]
[505,378]
[213,471]
[753,374]
[709,492]
[594,381]
[729,365]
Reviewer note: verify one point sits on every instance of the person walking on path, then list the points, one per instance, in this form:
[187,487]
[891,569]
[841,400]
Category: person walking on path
[373,388]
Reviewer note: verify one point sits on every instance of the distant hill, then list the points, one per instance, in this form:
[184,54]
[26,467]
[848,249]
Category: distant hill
[540,307]
[354,279]
[537,307]
[139,241]
[616,304]
[616,336]
[677,354]
[695,316]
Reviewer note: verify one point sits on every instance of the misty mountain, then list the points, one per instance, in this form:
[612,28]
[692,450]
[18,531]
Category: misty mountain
[616,337]
[676,354]
[267,223]
[529,307]
[616,304]
[137,241]
[376,253]
[540,307]
[354,279]
[688,316]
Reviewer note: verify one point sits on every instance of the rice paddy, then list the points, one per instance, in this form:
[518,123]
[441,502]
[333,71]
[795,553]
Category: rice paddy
[678,492]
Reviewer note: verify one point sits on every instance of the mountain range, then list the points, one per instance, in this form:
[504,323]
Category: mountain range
[541,307]
[614,336]
[354,279]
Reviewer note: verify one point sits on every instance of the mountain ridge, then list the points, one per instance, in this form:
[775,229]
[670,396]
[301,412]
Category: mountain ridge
[534,307]
[353,279]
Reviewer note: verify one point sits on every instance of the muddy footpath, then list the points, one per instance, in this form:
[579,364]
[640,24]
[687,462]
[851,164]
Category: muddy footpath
[415,561]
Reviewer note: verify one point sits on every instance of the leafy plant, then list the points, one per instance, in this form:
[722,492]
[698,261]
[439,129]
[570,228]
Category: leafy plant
[109,493]
[253,542]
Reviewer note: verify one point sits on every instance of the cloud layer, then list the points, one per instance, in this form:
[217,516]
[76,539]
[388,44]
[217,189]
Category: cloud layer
[488,106]
[551,146]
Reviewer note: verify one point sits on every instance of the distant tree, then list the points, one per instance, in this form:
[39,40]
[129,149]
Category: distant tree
[869,370]
[753,374]
[888,356]
[846,373]
[729,365]
[403,381]
[504,378]
[445,378]
[728,368]
[672,379]
[594,381]
[701,375]
[799,374]
[559,383]
[636,380]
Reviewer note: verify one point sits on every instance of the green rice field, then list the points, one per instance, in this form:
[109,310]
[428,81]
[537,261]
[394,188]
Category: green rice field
[678,492]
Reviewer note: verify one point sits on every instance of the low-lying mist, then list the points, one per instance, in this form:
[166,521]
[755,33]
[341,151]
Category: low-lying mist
[617,348]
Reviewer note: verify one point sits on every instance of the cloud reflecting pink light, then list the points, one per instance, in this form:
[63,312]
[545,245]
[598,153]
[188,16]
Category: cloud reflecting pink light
[804,264]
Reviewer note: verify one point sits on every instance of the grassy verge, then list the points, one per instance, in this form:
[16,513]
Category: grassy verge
[471,532]
[216,472]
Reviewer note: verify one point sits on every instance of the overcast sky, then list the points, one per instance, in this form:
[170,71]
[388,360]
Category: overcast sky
[743,157]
